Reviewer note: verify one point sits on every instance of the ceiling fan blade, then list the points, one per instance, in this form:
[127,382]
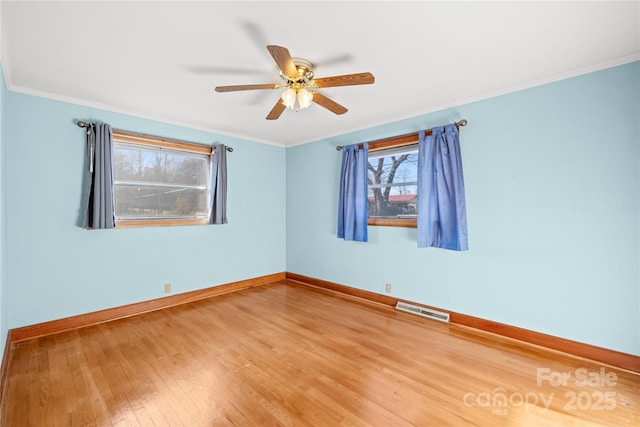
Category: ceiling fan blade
[283,58]
[329,104]
[245,87]
[345,80]
[276,111]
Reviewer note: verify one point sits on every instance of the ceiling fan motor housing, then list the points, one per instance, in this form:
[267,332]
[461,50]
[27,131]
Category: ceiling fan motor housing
[305,71]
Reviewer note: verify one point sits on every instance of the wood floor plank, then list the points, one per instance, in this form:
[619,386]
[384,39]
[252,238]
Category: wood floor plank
[291,355]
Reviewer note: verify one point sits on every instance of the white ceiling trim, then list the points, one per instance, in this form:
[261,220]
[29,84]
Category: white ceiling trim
[132,113]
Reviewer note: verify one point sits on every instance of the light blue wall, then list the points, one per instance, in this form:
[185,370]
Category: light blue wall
[56,269]
[3,252]
[552,180]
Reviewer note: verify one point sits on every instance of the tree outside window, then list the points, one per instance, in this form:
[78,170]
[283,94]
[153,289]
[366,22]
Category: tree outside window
[392,179]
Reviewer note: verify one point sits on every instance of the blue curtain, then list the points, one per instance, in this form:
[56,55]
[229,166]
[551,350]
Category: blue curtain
[218,195]
[99,180]
[352,202]
[442,214]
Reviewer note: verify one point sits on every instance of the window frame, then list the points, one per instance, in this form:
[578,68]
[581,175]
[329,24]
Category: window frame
[161,143]
[385,144]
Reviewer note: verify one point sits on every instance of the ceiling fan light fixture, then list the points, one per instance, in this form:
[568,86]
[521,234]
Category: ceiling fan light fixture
[289,98]
[304,98]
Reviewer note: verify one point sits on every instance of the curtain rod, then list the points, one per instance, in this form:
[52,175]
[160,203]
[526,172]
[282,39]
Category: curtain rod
[84,124]
[407,137]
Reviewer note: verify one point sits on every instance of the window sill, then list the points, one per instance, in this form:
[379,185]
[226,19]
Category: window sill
[138,223]
[394,222]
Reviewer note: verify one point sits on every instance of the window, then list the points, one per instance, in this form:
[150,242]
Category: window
[160,182]
[393,186]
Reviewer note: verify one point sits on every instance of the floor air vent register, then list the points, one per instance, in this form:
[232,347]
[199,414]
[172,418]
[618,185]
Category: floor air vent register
[424,312]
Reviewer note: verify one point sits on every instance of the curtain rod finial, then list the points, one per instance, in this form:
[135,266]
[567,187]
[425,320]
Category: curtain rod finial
[462,122]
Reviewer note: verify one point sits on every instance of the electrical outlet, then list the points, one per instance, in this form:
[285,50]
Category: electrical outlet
[167,288]
[388,288]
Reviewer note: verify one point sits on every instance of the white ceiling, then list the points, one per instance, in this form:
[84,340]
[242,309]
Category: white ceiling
[161,60]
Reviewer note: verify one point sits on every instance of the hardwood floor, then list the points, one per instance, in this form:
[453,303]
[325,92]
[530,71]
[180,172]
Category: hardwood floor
[286,354]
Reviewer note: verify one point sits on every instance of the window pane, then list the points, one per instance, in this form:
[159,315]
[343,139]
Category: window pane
[157,183]
[144,164]
[139,201]
[393,183]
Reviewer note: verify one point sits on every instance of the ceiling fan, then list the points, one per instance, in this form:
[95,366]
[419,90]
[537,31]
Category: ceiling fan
[301,85]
